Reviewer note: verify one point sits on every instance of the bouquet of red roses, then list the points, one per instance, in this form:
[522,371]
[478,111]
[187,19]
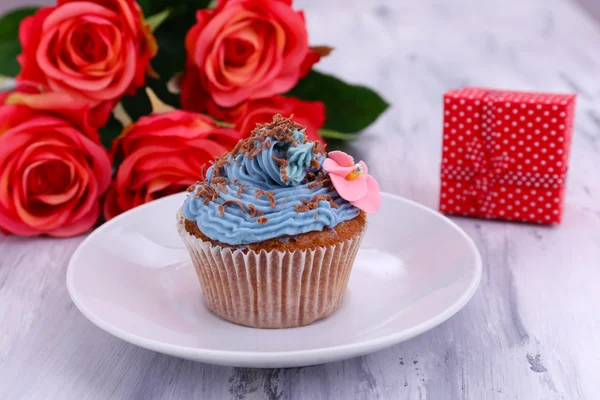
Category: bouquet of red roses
[79,135]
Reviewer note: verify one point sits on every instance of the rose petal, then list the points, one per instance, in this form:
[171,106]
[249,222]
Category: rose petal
[210,31]
[79,225]
[10,222]
[7,182]
[127,10]
[101,164]
[350,190]
[125,79]
[160,183]
[295,28]
[280,84]
[49,217]
[111,208]
[70,10]
[372,201]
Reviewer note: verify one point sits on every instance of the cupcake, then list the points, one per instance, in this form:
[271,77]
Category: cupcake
[274,226]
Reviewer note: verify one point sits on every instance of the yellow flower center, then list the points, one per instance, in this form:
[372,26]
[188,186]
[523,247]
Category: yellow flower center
[358,171]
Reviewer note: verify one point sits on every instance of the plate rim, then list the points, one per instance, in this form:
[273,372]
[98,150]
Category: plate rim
[282,358]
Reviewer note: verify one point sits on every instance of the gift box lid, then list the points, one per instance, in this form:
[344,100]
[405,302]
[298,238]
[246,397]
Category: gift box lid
[527,134]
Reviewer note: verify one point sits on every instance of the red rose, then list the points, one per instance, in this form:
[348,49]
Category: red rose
[56,103]
[51,176]
[244,49]
[163,154]
[95,51]
[308,113]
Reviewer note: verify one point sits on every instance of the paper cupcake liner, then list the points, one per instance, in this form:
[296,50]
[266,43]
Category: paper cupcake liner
[276,289]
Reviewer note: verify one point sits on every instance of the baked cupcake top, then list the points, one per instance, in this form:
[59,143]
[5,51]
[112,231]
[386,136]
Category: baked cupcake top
[272,184]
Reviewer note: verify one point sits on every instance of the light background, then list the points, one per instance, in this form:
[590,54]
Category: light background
[592,6]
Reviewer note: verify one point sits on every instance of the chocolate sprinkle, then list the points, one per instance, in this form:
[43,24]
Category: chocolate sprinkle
[218,180]
[300,208]
[257,149]
[319,147]
[279,129]
[318,183]
[313,203]
[239,192]
[206,191]
[281,161]
[236,202]
[262,220]
[191,187]
[218,164]
[325,197]
[236,149]
[270,196]
[222,188]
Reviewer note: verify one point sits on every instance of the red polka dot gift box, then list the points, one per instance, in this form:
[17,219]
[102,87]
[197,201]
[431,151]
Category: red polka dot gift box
[506,154]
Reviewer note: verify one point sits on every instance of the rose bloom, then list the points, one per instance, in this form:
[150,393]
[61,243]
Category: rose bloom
[163,154]
[308,113]
[95,51]
[244,49]
[56,103]
[51,175]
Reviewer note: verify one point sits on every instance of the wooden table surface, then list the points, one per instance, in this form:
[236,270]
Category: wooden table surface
[530,332]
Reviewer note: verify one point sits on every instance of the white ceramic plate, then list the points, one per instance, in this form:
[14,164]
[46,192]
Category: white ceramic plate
[133,278]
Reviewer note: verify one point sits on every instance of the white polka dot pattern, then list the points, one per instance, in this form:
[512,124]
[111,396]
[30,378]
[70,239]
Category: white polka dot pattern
[505,154]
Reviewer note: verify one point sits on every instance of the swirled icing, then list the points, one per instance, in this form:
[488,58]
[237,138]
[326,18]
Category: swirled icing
[272,185]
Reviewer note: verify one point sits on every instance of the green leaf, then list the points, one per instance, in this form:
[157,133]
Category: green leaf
[138,105]
[145,6]
[331,134]
[111,130]
[349,108]
[155,20]
[171,51]
[155,6]
[170,35]
[9,39]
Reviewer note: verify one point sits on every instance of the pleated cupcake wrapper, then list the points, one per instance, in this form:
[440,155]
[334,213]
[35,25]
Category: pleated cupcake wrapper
[276,289]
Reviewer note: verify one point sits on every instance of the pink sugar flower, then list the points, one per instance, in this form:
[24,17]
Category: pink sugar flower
[352,181]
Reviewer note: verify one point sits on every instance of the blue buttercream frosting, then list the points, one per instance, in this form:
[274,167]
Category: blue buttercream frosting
[266,188]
